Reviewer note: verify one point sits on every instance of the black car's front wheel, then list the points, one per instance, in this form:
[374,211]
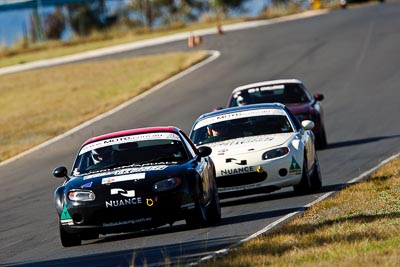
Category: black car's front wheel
[198,216]
[321,141]
[69,240]
[214,208]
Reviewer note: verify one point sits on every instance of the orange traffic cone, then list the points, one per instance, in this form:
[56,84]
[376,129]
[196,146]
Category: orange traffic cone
[191,41]
[197,40]
[219,29]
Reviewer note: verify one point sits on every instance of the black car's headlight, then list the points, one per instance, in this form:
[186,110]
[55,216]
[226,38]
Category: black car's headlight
[81,195]
[167,184]
[275,153]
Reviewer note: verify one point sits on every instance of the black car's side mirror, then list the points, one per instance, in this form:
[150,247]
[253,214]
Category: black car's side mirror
[61,172]
[204,151]
[319,97]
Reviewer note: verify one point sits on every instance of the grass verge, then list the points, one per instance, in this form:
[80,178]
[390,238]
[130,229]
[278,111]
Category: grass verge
[359,226]
[40,104]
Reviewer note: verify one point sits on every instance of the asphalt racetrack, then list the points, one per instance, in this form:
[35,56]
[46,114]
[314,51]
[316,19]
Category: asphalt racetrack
[351,56]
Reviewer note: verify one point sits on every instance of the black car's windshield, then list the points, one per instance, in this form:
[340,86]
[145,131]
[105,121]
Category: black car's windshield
[130,150]
[221,130]
[283,93]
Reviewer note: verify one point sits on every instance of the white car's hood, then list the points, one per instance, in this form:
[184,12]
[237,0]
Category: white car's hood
[249,144]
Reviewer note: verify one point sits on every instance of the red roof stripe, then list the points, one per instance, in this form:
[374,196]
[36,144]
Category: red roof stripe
[132,132]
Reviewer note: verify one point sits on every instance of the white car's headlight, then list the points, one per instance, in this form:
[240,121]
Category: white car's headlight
[81,195]
[167,184]
[275,153]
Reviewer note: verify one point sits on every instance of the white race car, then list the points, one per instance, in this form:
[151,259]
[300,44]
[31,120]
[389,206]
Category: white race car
[259,148]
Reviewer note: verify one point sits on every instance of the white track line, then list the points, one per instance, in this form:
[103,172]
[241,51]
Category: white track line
[291,215]
[213,56]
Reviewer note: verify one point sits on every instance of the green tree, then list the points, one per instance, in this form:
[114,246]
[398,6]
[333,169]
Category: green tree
[86,17]
[180,11]
[54,24]
[221,7]
[169,11]
[148,10]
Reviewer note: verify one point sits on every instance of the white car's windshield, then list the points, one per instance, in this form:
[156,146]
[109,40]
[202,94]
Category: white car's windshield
[130,150]
[242,127]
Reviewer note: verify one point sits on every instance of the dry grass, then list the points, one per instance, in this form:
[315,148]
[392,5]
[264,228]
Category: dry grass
[279,10]
[38,105]
[360,226]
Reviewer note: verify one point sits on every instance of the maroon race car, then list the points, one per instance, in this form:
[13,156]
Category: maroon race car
[292,93]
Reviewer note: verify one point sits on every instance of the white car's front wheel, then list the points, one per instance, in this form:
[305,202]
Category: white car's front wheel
[305,183]
[316,179]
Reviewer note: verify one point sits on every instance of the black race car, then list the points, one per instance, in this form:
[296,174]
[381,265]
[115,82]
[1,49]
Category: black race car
[133,180]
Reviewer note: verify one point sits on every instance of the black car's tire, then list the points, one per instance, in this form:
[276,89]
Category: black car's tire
[321,141]
[214,208]
[304,186]
[316,179]
[69,240]
[197,218]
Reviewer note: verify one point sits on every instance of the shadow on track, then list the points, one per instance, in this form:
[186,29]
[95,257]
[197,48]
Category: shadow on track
[359,141]
[176,254]
[276,195]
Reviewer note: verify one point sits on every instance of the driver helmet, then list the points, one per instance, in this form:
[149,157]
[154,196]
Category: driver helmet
[215,129]
[101,154]
[242,99]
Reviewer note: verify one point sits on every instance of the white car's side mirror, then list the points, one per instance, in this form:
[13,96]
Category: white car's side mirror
[307,124]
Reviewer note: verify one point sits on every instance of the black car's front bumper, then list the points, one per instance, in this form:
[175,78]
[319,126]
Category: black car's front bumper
[112,216]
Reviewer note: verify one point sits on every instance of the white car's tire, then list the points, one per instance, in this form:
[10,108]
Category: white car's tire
[304,186]
[316,179]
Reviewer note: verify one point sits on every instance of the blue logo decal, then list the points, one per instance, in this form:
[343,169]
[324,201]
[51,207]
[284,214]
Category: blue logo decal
[87,185]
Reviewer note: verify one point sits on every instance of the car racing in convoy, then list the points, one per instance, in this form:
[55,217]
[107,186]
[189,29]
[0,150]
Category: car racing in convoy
[259,148]
[136,179]
[290,92]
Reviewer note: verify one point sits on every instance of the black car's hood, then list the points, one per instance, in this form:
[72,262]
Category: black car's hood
[145,174]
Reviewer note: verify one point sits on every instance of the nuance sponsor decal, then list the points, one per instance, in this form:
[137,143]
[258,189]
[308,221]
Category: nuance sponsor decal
[234,171]
[127,171]
[124,202]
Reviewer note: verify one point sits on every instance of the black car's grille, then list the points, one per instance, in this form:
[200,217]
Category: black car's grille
[241,179]
[118,214]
